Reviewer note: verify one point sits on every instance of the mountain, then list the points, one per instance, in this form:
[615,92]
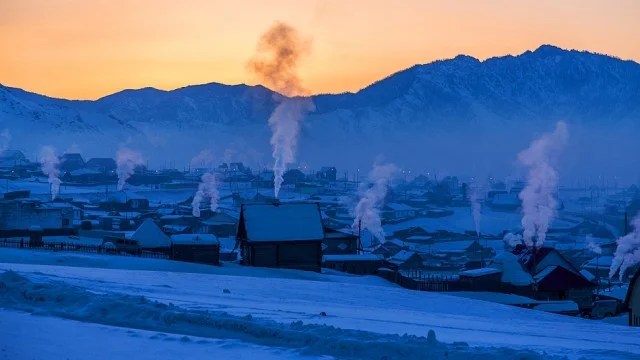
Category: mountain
[452,115]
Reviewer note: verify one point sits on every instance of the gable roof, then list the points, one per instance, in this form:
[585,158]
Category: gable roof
[554,278]
[149,235]
[281,222]
[528,259]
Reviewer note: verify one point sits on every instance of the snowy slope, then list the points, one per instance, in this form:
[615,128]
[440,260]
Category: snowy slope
[376,313]
[447,115]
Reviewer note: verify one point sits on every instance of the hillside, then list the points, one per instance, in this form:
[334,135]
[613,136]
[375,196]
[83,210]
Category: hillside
[448,116]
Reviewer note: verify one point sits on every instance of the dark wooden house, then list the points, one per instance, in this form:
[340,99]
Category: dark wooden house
[196,248]
[339,243]
[632,300]
[281,235]
[366,264]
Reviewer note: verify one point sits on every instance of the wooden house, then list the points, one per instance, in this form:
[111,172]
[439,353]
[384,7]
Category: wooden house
[387,249]
[632,300]
[281,235]
[406,260]
[339,243]
[196,248]
[71,161]
[367,264]
[221,224]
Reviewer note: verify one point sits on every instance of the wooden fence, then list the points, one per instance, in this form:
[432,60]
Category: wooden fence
[90,249]
[425,282]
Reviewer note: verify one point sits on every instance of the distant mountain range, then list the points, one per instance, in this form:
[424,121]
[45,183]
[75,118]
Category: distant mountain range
[453,115]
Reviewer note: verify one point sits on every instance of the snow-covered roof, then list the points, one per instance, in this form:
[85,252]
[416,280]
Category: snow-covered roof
[512,271]
[545,272]
[402,256]
[351,257]
[220,218]
[399,207]
[282,222]
[122,197]
[149,235]
[195,239]
[480,272]
[227,242]
[175,228]
[587,275]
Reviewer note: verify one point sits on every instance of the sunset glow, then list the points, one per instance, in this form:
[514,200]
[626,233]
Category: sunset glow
[87,49]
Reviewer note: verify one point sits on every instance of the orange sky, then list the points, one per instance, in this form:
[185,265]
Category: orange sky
[85,49]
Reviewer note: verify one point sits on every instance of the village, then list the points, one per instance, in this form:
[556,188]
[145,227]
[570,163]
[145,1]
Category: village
[436,237]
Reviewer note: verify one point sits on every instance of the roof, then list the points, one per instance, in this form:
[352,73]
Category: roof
[587,275]
[220,218]
[351,257]
[527,258]
[149,235]
[480,272]
[512,271]
[281,222]
[402,256]
[558,278]
[634,282]
[195,239]
[123,197]
[399,207]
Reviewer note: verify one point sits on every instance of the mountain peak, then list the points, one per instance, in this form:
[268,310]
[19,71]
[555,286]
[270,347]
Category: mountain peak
[549,50]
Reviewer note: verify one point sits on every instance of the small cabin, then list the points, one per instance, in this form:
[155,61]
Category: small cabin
[281,235]
[196,248]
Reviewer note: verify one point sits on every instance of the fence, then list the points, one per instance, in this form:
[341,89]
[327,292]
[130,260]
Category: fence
[90,249]
[424,282]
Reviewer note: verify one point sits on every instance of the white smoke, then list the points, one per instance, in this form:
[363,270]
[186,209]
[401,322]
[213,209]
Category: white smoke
[203,159]
[593,246]
[206,189]
[539,203]
[473,194]
[5,140]
[127,161]
[628,251]
[512,240]
[285,125]
[367,210]
[50,163]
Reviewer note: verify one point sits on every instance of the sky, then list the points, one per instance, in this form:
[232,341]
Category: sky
[81,49]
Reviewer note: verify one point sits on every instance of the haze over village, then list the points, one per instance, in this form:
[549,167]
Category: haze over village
[484,207]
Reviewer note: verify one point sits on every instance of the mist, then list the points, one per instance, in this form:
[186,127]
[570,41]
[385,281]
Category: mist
[127,160]
[367,211]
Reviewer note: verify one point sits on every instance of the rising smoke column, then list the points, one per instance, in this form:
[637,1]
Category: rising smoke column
[473,194]
[206,189]
[50,162]
[628,251]
[367,210]
[5,139]
[539,203]
[127,161]
[276,61]
[593,246]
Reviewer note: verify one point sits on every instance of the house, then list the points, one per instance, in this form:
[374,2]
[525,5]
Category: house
[103,165]
[71,161]
[281,235]
[503,201]
[406,260]
[24,213]
[366,264]
[328,173]
[221,224]
[387,249]
[196,248]
[86,176]
[476,252]
[483,279]
[395,211]
[151,238]
[293,176]
[632,300]
[339,243]
[12,155]
[411,232]
[125,201]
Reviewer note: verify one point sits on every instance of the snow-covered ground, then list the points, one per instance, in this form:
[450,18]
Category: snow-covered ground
[365,318]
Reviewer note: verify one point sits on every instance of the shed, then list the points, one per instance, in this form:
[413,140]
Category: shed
[632,301]
[151,237]
[366,264]
[196,248]
[281,235]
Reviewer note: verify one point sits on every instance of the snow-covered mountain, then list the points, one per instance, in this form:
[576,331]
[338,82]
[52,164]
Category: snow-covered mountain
[450,116]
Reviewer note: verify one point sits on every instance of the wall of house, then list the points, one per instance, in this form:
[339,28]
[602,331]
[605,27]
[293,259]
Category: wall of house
[634,305]
[22,217]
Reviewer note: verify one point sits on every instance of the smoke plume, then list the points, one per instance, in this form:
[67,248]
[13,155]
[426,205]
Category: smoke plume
[367,210]
[276,63]
[50,163]
[539,203]
[5,139]
[593,246]
[628,251]
[206,189]
[127,161]
[511,240]
[473,194]
[203,159]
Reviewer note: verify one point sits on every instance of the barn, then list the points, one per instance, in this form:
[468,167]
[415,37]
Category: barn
[281,235]
[196,248]
[632,301]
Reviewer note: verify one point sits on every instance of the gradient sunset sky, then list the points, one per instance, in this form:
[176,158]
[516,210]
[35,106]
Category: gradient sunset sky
[85,49]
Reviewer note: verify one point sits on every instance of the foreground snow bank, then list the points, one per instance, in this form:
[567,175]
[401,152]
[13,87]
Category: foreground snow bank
[62,300]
